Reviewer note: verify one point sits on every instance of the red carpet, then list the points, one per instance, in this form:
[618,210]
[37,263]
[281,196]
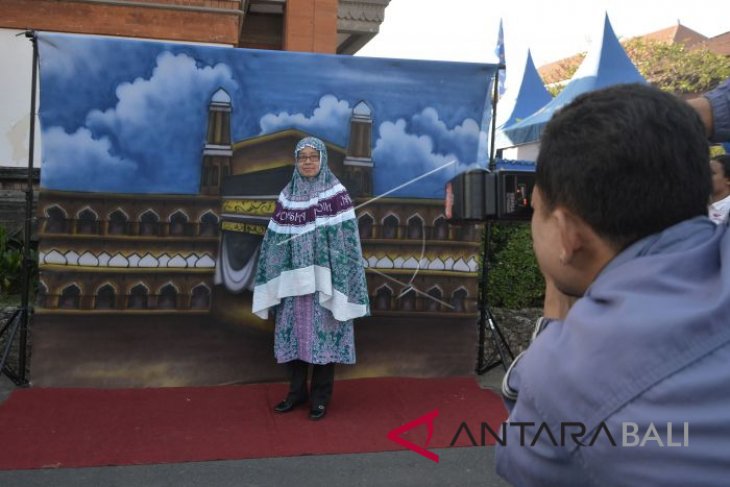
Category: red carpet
[53,428]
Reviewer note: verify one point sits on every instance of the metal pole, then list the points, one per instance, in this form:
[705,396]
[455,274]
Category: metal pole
[486,318]
[495,98]
[482,303]
[27,263]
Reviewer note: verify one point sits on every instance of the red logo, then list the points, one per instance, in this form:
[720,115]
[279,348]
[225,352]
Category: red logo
[427,419]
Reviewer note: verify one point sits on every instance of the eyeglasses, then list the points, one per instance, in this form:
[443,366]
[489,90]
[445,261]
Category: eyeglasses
[305,158]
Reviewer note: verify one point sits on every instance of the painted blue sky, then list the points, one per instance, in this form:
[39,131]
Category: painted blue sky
[130,116]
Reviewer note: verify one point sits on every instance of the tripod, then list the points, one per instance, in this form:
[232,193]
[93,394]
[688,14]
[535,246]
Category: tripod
[487,322]
[19,320]
[486,317]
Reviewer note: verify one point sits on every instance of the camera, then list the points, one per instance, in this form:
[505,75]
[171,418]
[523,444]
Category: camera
[479,195]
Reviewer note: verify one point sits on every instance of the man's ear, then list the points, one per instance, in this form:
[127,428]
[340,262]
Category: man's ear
[570,231]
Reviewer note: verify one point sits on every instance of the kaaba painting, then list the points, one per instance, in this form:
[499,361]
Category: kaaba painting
[160,169]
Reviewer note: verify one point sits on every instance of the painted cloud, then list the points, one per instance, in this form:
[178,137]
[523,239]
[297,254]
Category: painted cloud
[332,116]
[154,120]
[420,145]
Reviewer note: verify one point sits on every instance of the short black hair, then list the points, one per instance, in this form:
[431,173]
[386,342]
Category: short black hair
[630,160]
[724,160]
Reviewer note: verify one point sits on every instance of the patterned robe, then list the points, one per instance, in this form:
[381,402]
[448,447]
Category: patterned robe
[310,269]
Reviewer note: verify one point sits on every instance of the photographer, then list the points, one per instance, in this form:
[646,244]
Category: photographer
[629,372]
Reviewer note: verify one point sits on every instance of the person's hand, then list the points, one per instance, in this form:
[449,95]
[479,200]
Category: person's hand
[556,304]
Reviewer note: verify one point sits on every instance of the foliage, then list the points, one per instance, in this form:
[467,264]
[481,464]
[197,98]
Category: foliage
[11,264]
[717,150]
[555,89]
[676,69]
[563,72]
[515,280]
[670,67]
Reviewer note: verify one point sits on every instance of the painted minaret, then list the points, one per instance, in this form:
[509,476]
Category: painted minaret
[218,149]
[359,162]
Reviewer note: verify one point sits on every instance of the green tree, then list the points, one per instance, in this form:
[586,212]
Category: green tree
[515,280]
[560,75]
[11,266]
[676,69]
[670,67]
[11,263]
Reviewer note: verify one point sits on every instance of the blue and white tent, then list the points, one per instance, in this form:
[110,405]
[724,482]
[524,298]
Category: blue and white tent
[606,64]
[518,105]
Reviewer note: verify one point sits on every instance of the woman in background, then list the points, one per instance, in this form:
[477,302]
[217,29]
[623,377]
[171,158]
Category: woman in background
[310,272]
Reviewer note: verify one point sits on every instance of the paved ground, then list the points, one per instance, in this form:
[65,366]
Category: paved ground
[462,467]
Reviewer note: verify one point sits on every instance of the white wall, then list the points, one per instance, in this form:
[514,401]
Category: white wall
[526,152]
[16,55]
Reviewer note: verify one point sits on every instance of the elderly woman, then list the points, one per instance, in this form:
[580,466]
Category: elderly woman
[310,272]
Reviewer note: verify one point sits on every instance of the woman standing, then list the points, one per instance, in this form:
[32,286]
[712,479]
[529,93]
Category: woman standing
[310,272]
[720,198]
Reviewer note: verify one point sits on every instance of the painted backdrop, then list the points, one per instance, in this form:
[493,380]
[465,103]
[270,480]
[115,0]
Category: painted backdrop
[160,167]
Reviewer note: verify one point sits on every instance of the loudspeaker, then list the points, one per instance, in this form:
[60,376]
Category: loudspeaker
[479,195]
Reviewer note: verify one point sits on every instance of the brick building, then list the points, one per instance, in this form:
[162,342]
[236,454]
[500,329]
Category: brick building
[324,26]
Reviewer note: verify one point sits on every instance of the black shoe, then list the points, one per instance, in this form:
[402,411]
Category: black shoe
[317,412]
[287,405]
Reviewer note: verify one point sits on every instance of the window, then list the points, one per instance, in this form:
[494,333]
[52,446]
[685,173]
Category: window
[178,224]
[458,300]
[56,222]
[365,226]
[149,224]
[432,304]
[383,298]
[209,225]
[106,297]
[415,228]
[87,223]
[408,301]
[118,223]
[390,227]
[440,229]
[70,297]
[137,298]
[201,297]
[168,297]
